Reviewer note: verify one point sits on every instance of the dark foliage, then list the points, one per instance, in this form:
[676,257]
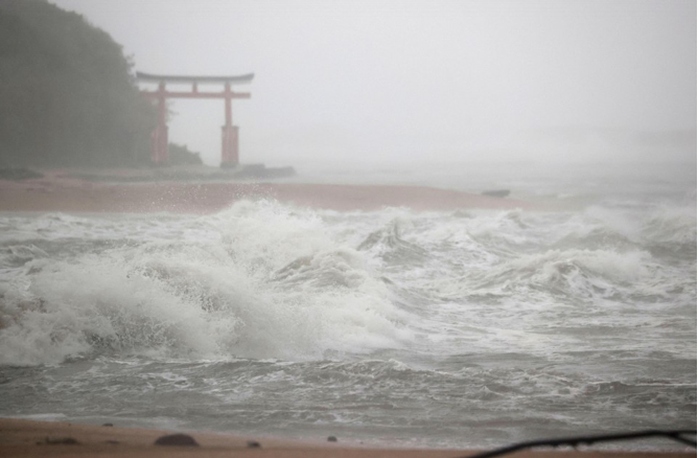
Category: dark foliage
[180,154]
[66,92]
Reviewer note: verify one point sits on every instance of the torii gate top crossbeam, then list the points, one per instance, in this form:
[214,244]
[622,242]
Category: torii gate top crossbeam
[240,79]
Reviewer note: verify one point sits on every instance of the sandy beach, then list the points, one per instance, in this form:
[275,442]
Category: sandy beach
[59,192]
[27,438]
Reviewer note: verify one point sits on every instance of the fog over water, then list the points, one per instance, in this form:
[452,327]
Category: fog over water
[426,80]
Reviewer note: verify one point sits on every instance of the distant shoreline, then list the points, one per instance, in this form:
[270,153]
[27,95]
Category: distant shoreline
[62,192]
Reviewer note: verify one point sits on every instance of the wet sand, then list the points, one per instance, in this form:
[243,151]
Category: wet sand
[27,438]
[55,192]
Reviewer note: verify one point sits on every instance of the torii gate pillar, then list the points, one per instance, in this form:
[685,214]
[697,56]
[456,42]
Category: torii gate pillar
[230,153]
[229,150]
[158,137]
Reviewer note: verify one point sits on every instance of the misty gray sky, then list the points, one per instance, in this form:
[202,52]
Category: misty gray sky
[415,80]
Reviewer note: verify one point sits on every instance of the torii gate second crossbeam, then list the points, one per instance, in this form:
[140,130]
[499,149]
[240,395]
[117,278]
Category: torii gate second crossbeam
[158,141]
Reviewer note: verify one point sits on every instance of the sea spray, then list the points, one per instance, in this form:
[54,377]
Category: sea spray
[259,288]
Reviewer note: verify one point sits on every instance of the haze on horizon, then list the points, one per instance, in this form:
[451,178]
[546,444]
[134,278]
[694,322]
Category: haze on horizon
[390,80]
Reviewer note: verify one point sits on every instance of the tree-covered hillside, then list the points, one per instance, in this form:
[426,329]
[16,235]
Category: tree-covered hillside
[67,96]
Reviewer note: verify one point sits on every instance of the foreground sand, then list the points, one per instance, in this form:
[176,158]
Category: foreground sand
[26,438]
[58,192]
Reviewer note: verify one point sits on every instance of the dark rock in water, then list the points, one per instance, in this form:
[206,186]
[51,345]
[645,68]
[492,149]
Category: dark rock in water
[60,441]
[279,172]
[108,424]
[497,193]
[331,439]
[177,439]
[253,444]
[250,171]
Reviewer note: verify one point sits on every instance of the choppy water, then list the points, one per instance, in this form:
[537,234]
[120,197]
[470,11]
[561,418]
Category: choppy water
[442,329]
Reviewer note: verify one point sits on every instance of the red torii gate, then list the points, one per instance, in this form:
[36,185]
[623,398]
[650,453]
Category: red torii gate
[158,138]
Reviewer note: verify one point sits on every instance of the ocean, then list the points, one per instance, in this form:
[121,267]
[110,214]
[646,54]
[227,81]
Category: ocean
[455,329]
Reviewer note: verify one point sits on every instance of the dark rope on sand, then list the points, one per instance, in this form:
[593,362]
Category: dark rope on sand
[677,435]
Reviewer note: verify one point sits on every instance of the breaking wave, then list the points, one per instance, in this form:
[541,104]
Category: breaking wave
[264,280]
